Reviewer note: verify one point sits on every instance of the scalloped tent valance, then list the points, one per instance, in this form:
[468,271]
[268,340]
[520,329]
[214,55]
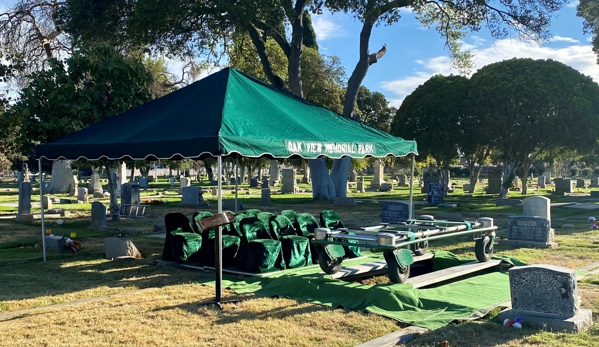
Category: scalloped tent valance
[227,113]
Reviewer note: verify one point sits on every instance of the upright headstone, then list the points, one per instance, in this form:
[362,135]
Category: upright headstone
[580,183]
[130,194]
[495,178]
[289,182]
[547,177]
[353,175]
[47,203]
[265,182]
[541,181]
[192,197]
[118,248]
[537,206]
[98,216]
[214,191]
[594,181]
[96,184]
[24,208]
[546,297]
[402,180]
[121,178]
[395,211]
[435,194]
[564,185]
[183,182]
[253,183]
[143,182]
[82,194]
[429,176]
[466,187]
[379,168]
[172,181]
[517,182]
[265,197]
[74,186]
[360,185]
[530,231]
[274,172]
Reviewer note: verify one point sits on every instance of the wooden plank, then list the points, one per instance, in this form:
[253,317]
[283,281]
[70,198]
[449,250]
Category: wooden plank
[372,269]
[450,273]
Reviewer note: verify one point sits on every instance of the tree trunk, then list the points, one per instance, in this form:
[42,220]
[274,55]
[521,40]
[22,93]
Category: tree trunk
[339,176]
[132,179]
[474,180]
[114,204]
[445,179]
[209,172]
[509,172]
[322,184]
[62,177]
[525,168]
[241,173]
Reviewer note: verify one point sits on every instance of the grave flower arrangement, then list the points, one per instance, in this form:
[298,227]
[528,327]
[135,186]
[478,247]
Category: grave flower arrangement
[152,202]
[595,223]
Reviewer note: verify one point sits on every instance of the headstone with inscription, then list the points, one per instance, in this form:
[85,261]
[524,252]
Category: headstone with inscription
[130,194]
[192,197]
[265,197]
[537,206]
[183,182]
[360,185]
[429,176]
[594,182]
[435,194]
[395,211]
[546,297]
[402,180]
[530,231]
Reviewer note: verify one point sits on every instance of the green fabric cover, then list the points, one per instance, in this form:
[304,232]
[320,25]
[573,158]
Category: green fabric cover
[330,219]
[305,223]
[265,218]
[186,245]
[227,112]
[230,240]
[259,253]
[291,214]
[296,249]
[428,308]
[175,222]
[253,212]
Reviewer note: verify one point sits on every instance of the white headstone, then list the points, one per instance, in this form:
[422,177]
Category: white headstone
[379,168]
[537,206]
[82,194]
[183,182]
[289,181]
[96,185]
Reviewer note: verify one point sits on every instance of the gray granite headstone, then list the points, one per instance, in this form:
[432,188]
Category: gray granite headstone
[395,211]
[547,177]
[539,206]
[96,184]
[594,194]
[116,248]
[541,181]
[495,180]
[580,183]
[530,231]
[98,216]
[379,168]
[143,182]
[265,197]
[594,182]
[360,185]
[564,185]
[289,182]
[230,205]
[466,187]
[347,202]
[402,180]
[546,296]
[24,206]
[82,194]
[253,183]
[130,194]
[46,203]
[265,183]
[74,186]
[183,182]
[171,181]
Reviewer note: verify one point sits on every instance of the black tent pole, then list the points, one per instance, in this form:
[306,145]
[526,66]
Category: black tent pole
[218,240]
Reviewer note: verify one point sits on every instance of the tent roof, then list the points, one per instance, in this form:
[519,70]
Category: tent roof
[227,113]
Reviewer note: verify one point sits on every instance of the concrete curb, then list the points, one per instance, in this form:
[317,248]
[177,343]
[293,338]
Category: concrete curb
[399,337]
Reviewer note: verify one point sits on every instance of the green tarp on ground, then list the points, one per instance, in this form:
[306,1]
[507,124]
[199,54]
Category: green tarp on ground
[227,112]
[428,308]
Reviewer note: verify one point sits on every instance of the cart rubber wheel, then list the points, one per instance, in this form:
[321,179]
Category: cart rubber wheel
[483,249]
[328,265]
[419,248]
[395,272]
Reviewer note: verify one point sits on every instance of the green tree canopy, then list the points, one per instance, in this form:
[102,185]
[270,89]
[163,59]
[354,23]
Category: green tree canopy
[534,106]
[589,11]
[374,109]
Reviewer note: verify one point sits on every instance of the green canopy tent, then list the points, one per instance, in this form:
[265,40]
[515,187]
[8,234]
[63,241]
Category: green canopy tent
[228,113]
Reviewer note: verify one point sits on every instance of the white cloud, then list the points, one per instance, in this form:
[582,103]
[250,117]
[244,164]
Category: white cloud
[573,3]
[325,29]
[580,57]
[557,38]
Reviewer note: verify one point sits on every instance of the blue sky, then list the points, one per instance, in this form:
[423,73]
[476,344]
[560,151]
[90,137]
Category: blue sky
[414,53]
